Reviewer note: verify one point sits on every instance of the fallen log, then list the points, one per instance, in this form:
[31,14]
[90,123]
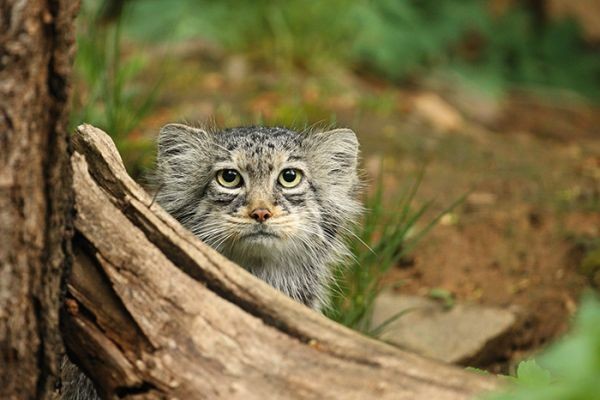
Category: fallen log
[152,312]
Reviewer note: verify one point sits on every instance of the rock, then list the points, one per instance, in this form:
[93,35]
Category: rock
[476,200]
[236,69]
[438,112]
[482,108]
[465,334]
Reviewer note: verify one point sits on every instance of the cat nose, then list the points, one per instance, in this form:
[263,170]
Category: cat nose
[260,214]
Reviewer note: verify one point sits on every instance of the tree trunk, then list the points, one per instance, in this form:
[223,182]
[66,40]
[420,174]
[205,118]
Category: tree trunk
[36,52]
[154,313]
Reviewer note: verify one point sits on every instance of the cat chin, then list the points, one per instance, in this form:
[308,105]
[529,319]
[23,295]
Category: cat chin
[262,245]
[261,237]
[256,249]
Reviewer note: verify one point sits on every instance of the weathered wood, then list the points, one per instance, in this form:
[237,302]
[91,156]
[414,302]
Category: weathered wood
[37,44]
[156,313]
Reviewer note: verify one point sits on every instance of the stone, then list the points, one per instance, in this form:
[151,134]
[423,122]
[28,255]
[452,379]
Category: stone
[464,334]
[439,113]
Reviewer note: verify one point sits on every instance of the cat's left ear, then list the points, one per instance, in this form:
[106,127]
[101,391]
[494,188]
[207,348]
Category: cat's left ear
[177,139]
[336,149]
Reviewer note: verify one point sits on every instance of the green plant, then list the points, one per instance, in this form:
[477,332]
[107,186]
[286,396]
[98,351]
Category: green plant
[108,92]
[569,370]
[382,239]
[288,32]
[406,39]
[402,39]
[442,295]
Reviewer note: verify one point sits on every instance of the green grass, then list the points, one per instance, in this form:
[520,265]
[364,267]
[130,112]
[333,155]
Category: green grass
[284,32]
[109,92]
[387,233]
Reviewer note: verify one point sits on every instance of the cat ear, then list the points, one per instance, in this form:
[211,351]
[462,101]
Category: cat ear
[177,139]
[336,149]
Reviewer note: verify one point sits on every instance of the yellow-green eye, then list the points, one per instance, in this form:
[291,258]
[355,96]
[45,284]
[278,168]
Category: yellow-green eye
[290,177]
[229,178]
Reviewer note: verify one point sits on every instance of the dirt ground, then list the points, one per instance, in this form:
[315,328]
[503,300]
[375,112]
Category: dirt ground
[529,167]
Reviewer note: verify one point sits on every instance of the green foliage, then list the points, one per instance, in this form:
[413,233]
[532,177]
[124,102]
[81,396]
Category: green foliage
[530,374]
[570,370]
[385,235]
[292,31]
[109,94]
[403,40]
[444,296]
[406,39]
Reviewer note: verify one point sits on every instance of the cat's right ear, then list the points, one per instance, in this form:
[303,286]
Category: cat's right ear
[177,139]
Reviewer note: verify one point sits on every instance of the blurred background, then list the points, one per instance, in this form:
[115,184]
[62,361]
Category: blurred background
[479,122]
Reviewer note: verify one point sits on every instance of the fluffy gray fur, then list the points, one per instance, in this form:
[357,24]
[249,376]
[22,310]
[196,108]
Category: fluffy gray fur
[75,384]
[295,248]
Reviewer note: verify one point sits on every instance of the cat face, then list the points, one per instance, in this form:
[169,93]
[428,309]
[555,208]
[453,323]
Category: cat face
[261,196]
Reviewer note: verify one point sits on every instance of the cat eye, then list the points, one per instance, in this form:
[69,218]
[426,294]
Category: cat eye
[229,178]
[290,177]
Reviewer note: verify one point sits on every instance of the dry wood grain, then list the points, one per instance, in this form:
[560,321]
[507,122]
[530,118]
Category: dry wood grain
[37,45]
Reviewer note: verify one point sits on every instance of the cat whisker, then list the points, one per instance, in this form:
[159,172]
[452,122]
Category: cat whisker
[349,231]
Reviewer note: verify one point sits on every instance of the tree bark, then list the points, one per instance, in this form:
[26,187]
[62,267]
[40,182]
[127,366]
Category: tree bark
[36,53]
[154,313]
